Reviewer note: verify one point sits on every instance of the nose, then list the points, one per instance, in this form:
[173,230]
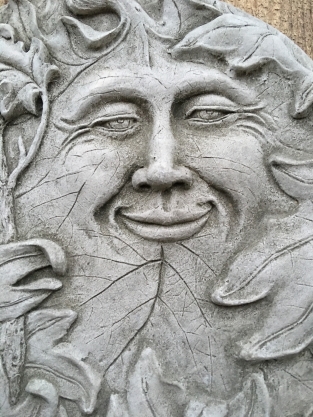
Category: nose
[161,173]
[158,177]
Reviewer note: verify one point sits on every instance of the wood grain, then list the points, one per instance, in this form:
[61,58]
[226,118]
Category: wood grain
[292,17]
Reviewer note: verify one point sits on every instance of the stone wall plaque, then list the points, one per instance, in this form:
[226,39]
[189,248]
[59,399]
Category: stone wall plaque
[156,185]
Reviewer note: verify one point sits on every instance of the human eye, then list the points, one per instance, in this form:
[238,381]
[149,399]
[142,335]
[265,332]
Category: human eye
[209,109]
[117,121]
[116,124]
[208,115]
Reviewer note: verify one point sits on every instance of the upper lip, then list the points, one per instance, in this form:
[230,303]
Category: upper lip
[166,218]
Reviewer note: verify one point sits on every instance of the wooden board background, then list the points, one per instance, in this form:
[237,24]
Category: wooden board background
[292,17]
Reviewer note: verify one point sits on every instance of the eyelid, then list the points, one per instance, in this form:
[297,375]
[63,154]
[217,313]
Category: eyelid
[84,128]
[114,117]
[213,108]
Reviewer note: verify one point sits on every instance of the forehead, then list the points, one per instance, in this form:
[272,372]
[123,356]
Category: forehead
[163,83]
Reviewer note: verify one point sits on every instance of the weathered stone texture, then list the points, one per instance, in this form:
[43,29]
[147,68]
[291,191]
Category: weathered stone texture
[156,211]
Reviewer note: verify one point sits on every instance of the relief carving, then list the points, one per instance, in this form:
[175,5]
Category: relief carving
[156,212]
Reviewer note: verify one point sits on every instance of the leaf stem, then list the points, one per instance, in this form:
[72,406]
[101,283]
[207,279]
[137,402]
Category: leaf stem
[24,162]
[6,196]
[12,344]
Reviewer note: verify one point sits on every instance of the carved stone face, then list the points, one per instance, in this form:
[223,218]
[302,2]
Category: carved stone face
[164,153]
[169,184]
[163,159]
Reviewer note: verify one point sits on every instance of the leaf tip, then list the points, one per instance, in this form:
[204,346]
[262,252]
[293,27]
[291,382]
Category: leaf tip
[53,252]
[223,298]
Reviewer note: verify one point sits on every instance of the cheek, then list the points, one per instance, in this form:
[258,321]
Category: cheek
[233,164]
[79,179]
[96,173]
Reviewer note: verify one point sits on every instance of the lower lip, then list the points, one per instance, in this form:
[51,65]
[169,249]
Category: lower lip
[157,232]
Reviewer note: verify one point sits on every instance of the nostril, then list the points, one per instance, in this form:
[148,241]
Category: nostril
[160,177]
[180,184]
[143,187]
[183,179]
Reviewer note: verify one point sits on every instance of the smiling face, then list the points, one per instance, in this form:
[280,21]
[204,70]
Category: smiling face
[175,171]
[156,179]
[147,167]
[162,154]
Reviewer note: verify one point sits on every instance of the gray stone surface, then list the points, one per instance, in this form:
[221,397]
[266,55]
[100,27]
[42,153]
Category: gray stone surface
[156,212]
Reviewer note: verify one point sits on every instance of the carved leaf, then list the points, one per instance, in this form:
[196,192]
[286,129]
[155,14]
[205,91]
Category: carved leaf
[45,24]
[208,39]
[251,275]
[216,8]
[253,400]
[246,45]
[294,177]
[303,100]
[279,266]
[158,297]
[42,401]
[23,75]
[243,42]
[215,409]
[309,412]
[90,37]
[67,38]
[47,392]
[18,260]
[149,394]
[4,391]
[117,406]
[85,7]
[126,304]
[289,340]
[72,377]
[18,96]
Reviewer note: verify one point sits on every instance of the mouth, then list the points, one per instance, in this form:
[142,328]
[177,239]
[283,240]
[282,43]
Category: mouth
[166,226]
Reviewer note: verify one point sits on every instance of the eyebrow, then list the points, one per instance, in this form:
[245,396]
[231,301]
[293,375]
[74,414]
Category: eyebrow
[117,88]
[221,85]
[96,97]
